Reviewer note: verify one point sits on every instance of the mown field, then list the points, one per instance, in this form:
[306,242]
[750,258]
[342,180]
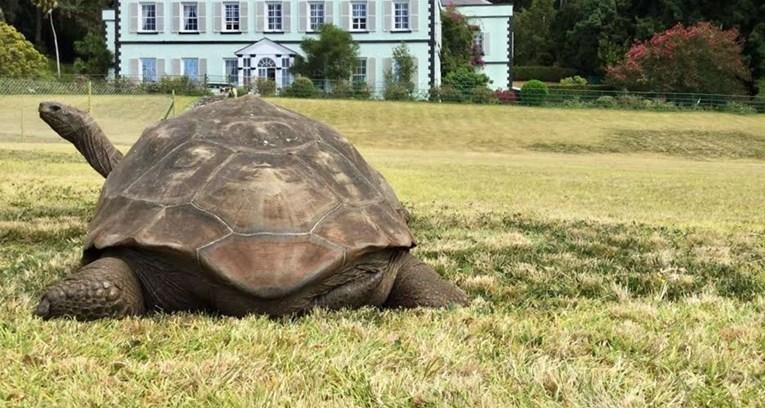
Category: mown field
[614,259]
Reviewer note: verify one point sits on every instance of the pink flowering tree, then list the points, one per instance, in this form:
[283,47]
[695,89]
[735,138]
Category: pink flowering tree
[700,59]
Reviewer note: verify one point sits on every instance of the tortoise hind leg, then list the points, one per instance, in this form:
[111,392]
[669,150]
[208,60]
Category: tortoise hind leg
[106,287]
[417,284]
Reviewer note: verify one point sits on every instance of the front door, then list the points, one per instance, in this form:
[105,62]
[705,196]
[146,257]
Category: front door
[267,69]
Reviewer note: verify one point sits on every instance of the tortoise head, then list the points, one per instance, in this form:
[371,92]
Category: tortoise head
[65,120]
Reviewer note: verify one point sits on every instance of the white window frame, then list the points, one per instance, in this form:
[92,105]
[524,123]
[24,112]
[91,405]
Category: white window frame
[141,19]
[225,22]
[406,23]
[277,6]
[285,71]
[361,65]
[228,75]
[363,21]
[183,17]
[319,19]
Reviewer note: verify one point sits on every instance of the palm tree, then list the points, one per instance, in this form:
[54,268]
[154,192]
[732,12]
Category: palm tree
[47,7]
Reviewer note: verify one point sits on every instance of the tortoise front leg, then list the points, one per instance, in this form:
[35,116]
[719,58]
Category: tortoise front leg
[81,130]
[417,284]
[106,287]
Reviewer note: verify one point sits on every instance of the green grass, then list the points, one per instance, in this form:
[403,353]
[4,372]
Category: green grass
[614,259]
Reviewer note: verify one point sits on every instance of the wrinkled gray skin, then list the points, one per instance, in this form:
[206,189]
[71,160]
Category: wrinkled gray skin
[124,281]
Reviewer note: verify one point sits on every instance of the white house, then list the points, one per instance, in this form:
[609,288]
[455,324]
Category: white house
[231,42]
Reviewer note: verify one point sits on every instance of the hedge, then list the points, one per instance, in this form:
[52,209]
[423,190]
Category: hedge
[541,73]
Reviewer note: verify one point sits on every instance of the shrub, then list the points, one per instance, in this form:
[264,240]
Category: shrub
[574,81]
[629,101]
[483,95]
[464,80]
[341,89]
[759,100]
[575,102]
[546,74]
[736,107]
[505,96]
[396,91]
[361,90]
[18,57]
[265,87]
[534,93]
[181,85]
[301,87]
[696,59]
[606,102]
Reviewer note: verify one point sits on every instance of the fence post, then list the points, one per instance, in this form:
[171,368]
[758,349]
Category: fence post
[90,94]
[173,102]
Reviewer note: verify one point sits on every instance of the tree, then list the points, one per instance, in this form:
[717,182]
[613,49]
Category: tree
[456,41]
[333,56]
[700,59]
[94,57]
[533,36]
[18,57]
[47,7]
[399,82]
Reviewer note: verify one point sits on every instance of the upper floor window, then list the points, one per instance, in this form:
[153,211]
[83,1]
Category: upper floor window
[478,42]
[401,15]
[360,73]
[231,17]
[316,16]
[358,16]
[190,17]
[274,16]
[149,17]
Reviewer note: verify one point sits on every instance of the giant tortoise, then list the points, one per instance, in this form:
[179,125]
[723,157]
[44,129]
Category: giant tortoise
[238,207]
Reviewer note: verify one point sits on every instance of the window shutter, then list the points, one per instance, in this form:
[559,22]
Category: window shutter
[486,48]
[387,15]
[175,67]
[176,23]
[414,15]
[344,15]
[202,68]
[134,71]
[286,17]
[328,9]
[160,67]
[160,17]
[387,65]
[133,21]
[371,16]
[259,16]
[202,16]
[371,73]
[303,16]
[244,13]
[217,17]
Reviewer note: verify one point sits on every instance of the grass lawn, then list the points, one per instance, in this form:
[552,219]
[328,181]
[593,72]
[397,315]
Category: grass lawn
[615,259]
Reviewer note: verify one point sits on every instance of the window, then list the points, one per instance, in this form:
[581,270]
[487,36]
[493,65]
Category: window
[285,72]
[232,71]
[360,73]
[401,15]
[190,18]
[358,16]
[149,69]
[274,17]
[149,17]
[478,42]
[231,17]
[316,16]
[267,69]
[191,68]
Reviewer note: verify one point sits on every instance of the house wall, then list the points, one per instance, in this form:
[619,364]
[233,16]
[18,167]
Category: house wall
[495,22]
[212,47]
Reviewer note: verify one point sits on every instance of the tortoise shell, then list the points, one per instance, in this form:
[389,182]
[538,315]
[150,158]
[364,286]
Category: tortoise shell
[265,198]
